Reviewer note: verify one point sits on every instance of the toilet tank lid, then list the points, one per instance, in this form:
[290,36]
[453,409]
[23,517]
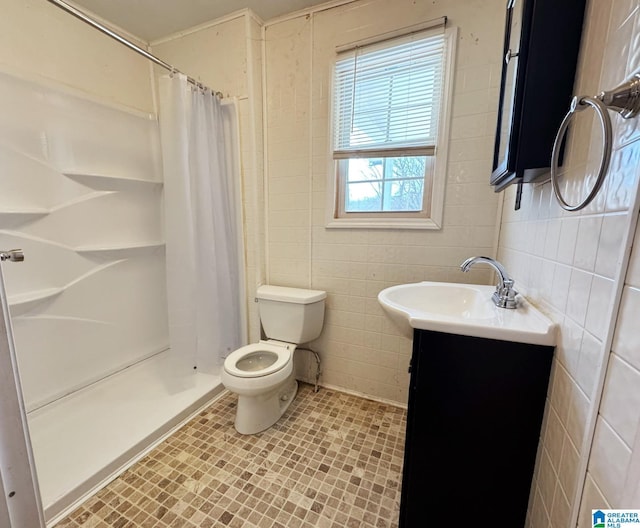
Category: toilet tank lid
[292,295]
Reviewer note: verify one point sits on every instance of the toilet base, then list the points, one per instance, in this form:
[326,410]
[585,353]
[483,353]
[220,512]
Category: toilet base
[257,413]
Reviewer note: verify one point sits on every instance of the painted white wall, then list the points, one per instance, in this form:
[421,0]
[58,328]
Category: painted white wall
[254,195]
[572,265]
[361,349]
[38,39]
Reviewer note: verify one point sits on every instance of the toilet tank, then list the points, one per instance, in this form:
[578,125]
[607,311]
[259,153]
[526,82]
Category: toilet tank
[293,315]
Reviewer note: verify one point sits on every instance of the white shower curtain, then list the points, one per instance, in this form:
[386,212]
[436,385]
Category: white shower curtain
[205,267]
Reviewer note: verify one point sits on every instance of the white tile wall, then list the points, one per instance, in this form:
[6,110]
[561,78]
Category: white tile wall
[608,463]
[621,399]
[361,350]
[587,263]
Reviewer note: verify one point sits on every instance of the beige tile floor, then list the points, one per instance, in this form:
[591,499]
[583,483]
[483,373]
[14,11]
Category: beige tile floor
[334,460]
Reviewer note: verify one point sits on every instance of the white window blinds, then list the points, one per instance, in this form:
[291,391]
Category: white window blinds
[387,96]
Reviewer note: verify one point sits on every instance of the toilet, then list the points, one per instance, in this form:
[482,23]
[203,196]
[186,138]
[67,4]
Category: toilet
[261,374]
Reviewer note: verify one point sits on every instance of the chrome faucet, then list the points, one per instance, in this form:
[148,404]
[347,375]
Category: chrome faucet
[505,295]
[13,255]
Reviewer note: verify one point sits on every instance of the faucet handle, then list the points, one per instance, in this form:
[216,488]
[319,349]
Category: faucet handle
[505,296]
[507,284]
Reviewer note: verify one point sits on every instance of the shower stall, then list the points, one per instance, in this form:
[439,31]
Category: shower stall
[83,196]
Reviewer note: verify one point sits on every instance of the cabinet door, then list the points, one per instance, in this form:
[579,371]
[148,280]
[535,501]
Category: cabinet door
[475,411]
[506,135]
[540,53]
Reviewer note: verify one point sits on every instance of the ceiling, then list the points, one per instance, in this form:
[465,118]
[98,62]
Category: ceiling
[153,19]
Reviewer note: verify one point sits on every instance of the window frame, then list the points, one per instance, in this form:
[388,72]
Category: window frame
[341,189]
[433,201]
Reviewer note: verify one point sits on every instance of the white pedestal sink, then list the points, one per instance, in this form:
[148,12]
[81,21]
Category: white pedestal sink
[464,309]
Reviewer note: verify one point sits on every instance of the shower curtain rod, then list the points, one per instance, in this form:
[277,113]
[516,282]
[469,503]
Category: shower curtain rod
[104,29]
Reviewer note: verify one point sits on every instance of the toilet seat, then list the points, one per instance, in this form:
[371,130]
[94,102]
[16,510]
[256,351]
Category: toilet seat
[280,351]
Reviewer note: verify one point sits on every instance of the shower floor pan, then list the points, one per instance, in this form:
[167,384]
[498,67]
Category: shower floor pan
[84,440]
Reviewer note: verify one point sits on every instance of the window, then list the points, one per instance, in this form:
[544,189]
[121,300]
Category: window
[390,102]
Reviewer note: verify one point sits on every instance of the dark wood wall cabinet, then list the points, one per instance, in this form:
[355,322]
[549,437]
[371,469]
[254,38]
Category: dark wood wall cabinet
[542,41]
[473,426]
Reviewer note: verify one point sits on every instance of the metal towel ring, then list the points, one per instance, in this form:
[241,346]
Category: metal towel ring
[577,105]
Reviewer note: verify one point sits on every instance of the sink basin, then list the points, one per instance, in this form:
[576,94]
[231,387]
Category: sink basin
[464,309]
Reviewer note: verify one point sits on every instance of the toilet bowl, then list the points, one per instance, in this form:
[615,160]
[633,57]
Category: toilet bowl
[261,374]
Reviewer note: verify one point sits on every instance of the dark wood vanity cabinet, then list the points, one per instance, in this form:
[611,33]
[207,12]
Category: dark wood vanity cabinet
[542,40]
[473,426]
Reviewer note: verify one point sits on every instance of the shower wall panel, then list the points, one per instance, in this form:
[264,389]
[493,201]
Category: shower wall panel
[81,193]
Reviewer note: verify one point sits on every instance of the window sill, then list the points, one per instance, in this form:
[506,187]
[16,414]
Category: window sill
[382,223]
